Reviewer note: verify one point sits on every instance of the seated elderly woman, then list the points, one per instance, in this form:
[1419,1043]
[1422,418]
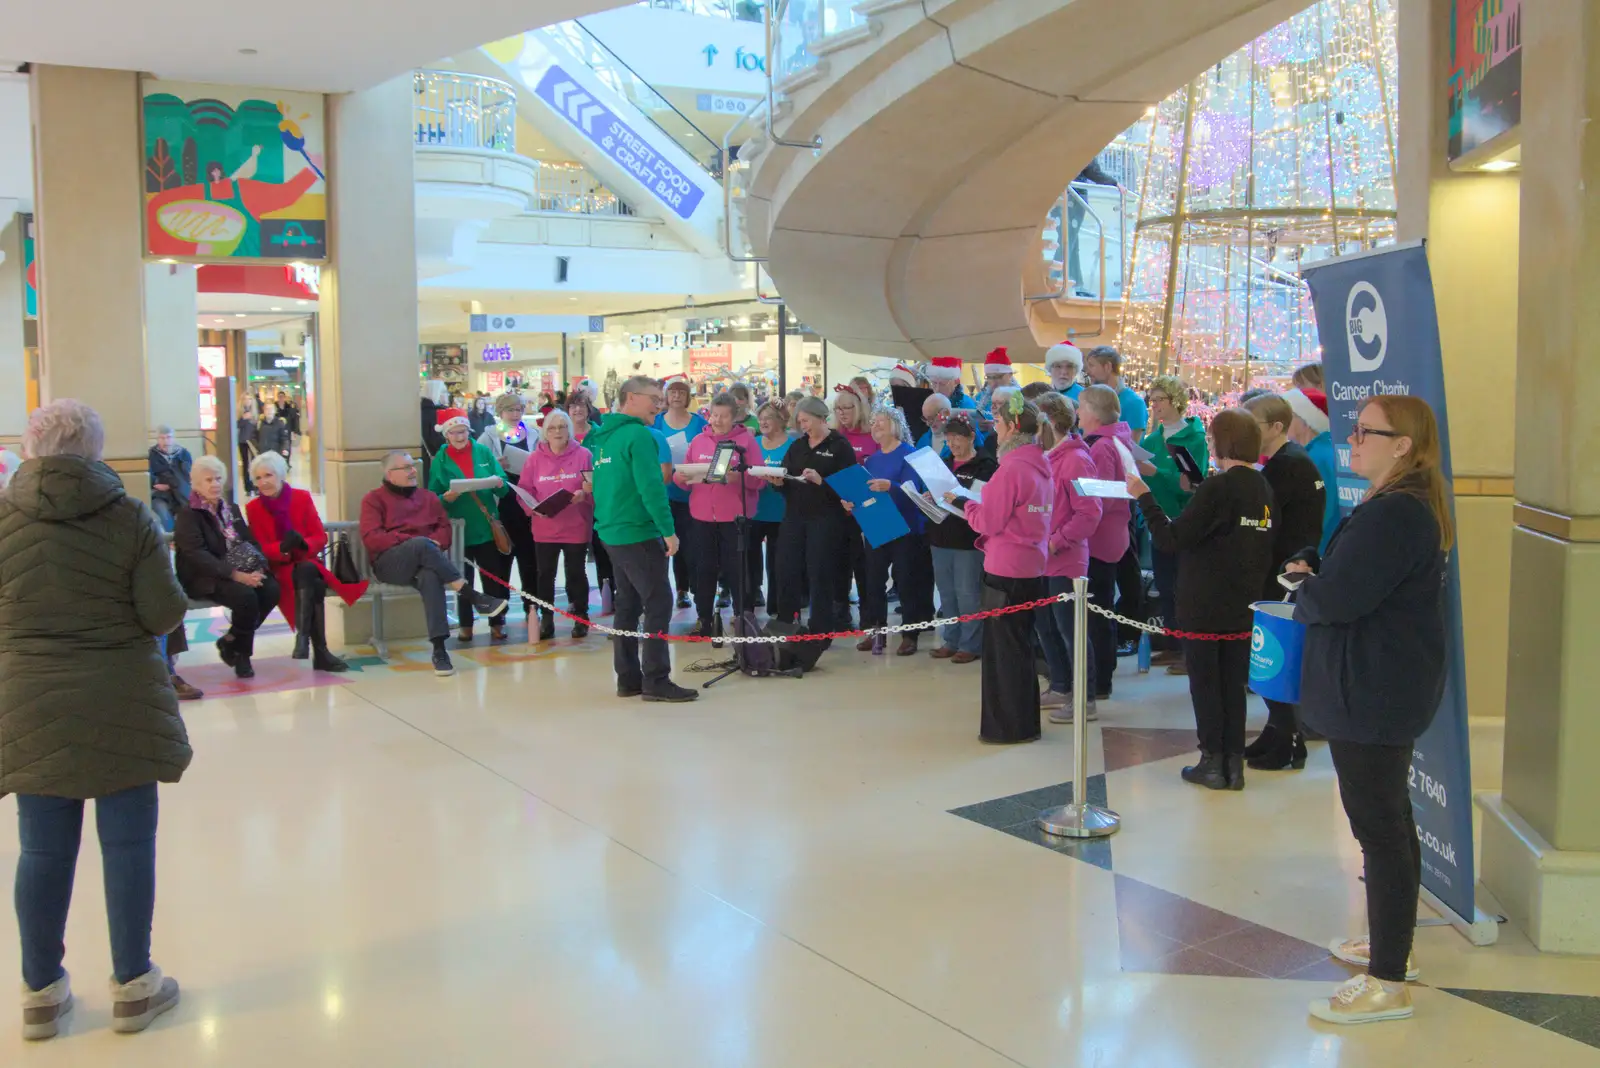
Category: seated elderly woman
[219,560]
[286,525]
[86,707]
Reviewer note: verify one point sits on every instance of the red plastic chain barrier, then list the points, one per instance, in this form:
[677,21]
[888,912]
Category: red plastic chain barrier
[1026,606]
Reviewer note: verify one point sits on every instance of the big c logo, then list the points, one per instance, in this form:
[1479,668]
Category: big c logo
[1367,325]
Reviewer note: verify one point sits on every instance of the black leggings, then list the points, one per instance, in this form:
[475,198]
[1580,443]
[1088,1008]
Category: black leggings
[765,532]
[576,556]
[1102,631]
[494,563]
[1219,673]
[1374,784]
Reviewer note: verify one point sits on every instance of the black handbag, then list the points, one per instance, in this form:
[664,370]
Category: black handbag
[344,562]
[245,557]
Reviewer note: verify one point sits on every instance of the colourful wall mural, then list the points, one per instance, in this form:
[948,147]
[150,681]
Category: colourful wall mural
[1485,71]
[233,173]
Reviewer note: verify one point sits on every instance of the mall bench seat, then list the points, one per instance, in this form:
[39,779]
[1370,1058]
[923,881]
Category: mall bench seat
[377,592]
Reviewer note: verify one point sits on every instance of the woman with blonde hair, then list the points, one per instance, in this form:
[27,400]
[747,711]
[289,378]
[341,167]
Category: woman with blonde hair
[1373,677]
[852,419]
[510,431]
[219,559]
[1170,427]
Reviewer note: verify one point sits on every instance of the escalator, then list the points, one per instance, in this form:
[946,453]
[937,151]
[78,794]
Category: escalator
[584,98]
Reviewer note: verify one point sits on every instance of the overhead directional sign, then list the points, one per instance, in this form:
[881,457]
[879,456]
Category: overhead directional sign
[619,141]
[536,324]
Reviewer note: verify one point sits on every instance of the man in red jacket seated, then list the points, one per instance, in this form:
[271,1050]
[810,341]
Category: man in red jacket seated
[406,533]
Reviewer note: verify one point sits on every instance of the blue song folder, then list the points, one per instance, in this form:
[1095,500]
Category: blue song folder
[880,520]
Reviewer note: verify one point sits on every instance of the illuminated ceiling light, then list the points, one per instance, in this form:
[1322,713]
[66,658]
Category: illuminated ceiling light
[238,315]
[302,302]
[277,309]
[1496,165]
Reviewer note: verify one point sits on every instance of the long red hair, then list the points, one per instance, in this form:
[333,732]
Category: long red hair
[1420,472]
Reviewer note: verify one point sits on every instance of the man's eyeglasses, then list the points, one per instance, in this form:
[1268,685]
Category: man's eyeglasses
[1153,397]
[401,467]
[1360,433]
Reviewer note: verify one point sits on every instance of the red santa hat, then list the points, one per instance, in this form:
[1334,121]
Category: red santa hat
[675,380]
[1311,405]
[998,363]
[945,368]
[449,417]
[902,375]
[586,384]
[1064,352]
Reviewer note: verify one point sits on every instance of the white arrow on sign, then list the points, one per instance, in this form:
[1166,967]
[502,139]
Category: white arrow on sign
[590,113]
[560,92]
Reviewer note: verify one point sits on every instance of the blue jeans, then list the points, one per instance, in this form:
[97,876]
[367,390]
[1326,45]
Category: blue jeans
[1054,624]
[163,512]
[958,573]
[50,829]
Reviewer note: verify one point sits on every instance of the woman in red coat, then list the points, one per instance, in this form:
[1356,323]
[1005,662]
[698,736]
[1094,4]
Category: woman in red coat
[285,522]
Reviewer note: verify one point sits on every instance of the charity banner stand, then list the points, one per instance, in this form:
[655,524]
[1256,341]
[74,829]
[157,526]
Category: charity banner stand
[1079,819]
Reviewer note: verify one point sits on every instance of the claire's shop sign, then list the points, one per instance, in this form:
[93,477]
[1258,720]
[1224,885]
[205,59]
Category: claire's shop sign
[632,152]
[497,353]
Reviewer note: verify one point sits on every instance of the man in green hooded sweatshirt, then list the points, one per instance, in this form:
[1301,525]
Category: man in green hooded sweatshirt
[634,522]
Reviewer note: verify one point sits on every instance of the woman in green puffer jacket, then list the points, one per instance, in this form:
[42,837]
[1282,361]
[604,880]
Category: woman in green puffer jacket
[87,708]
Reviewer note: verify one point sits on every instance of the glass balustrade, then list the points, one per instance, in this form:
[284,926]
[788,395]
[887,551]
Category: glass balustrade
[800,23]
[735,10]
[456,110]
[573,189]
[1102,206]
[621,79]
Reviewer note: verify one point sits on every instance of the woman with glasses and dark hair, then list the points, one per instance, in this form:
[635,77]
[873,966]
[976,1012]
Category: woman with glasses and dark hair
[1223,541]
[1373,677]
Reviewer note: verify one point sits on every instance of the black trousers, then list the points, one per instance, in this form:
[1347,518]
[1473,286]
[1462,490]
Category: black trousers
[247,452]
[687,560]
[520,527]
[1219,673]
[494,563]
[912,564]
[1374,786]
[1130,579]
[642,594]
[1010,686]
[602,563]
[717,560]
[856,547]
[576,558]
[1165,566]
[1104,576]
[810,556]
[763,534]
[247,608]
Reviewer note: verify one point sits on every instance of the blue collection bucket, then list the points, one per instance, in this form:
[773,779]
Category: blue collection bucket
[1276,645]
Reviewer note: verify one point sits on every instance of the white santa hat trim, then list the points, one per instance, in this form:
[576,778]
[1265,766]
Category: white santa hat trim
[1064,352]
[449,417]
[674,380]
[1308,412]
[998,363]
[902,375]
[945,368]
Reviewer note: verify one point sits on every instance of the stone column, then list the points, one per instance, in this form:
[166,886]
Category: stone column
[172,362]
[1470,221]
[1541,836]
[13,375]
[90,253]
[365,388]
[366,376]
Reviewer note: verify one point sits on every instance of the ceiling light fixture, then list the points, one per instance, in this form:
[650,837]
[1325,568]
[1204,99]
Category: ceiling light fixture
[1494,166]
[238,315]
[277,309]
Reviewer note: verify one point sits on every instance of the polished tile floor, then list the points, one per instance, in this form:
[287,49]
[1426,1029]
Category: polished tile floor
[513,867]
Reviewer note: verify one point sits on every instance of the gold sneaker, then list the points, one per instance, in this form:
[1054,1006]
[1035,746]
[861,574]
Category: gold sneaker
[1364,1000]
[1358,951]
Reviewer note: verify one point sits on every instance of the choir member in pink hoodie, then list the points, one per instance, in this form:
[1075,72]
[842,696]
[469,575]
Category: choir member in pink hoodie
[1013,521]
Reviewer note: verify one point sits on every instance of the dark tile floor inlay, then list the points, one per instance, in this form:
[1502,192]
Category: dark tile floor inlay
[1575,1016]
[1015,815]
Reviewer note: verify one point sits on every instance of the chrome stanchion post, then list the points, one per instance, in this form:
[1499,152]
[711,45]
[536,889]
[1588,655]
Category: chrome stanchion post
[1080,819]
